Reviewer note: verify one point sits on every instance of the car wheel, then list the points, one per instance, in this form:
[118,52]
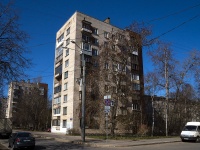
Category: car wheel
[13,148]
[198,139]
[182,140]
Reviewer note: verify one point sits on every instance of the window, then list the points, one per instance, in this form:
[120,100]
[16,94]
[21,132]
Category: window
[67,52]
[115,67]
[57,100]
[58,70]
[136,86]
[135,107]
[67,63]
[57,89]
[106,66]
[85,38]
[56,111]
[87,59]
[60,38]
[124,68]
[65,86]
[95,31]
[114,89]
[95,52]
[86,46]
[106,34]
[65,98]
[135,77]
[68,41]
[106,88]
[68,31]
[107,77]
[105,44]
[96,41]
[95,64]
[135,67]
[86,26]
[66,75]
[64,123]
[135,58]
[56,122]
[59,50]
[64,110]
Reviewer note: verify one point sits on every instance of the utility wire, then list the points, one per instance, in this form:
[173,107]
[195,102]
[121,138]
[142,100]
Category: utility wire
[160,18]
[175,27]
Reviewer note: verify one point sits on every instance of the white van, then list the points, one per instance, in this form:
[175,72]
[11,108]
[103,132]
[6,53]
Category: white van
[191,132]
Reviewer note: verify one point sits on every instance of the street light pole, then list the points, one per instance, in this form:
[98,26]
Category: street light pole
[83,95]
[83,100]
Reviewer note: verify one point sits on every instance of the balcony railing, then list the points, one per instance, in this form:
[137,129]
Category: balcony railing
[86,30]
[59,58]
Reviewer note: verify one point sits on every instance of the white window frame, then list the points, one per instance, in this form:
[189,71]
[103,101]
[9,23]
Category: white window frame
[65,86]
[64,110]
[66,63]
[65,98]
[66,75]
[64,123]
[68,31]
[67,52]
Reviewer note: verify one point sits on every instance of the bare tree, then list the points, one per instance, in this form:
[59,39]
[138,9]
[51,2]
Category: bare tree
[117,63]
[173,76]
[33,109]
[152,88]
[12,49]
[164,63]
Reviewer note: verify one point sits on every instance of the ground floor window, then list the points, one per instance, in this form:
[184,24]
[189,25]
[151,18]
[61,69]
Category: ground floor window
[64,123]
[56,122]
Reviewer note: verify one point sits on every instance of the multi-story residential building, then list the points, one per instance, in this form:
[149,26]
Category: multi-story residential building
[85,34]
[17,90]
[3,106]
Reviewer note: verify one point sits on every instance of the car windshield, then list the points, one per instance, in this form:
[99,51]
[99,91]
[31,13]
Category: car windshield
[24,135]
[190,128]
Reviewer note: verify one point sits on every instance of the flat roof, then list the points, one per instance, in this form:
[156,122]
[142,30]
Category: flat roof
[193,123]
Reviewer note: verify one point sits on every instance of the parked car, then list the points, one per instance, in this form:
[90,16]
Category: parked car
[21,140]
[191,132]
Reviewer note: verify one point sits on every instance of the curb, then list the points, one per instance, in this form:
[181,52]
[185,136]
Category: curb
[130,145]
[105,144]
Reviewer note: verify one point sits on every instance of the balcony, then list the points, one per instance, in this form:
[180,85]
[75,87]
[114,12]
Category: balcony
[59,58]
[58,75]
[86,30]
[58,72]
[86,49]
[135,53]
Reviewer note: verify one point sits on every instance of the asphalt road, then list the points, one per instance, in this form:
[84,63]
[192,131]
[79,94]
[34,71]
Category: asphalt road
[48,144]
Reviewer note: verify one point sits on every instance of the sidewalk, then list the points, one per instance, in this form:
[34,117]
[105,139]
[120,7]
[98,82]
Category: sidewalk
[103,143]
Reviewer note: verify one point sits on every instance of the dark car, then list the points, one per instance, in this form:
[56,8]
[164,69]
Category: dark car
[21,140]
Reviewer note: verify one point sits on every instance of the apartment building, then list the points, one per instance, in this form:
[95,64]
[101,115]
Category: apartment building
[3,106]
[84,35]
[17,90]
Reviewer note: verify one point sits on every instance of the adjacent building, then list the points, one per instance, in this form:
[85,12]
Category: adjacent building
[3,106]
[17,90]
[82,34]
